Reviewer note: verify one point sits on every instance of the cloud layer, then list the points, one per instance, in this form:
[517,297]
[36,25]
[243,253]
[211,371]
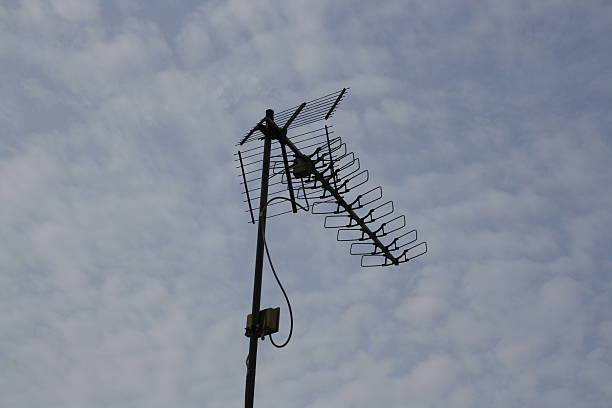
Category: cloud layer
[126,257]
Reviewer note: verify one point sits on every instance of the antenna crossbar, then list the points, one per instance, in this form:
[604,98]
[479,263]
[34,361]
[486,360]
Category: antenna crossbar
[346,206]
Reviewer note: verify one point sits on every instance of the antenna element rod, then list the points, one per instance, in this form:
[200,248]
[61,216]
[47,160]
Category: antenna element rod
[246,189]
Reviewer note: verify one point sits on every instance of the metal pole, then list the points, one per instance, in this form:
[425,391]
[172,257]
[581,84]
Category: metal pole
[259,257]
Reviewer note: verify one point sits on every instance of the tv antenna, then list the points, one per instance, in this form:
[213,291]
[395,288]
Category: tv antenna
[323,178]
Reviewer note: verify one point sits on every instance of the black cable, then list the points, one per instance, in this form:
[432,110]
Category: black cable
[278,280]
[286,299]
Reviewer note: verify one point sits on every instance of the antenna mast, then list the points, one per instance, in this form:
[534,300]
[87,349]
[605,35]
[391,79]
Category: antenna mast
[328,178]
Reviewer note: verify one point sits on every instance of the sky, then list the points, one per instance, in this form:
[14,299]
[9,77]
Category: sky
[126,257]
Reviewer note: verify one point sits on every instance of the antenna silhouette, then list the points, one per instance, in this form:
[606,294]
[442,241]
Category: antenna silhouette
[323,178]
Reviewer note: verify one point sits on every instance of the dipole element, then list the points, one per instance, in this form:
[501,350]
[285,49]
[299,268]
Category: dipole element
[259,258]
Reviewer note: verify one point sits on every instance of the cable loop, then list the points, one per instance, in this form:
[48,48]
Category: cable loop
[280,285]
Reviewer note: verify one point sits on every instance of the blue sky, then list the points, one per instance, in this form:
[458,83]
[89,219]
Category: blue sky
[126,259]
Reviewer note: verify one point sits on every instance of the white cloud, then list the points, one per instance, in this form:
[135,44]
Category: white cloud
[126,256]
[76,10]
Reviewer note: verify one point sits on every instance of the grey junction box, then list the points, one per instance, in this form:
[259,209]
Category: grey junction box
[269,319]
